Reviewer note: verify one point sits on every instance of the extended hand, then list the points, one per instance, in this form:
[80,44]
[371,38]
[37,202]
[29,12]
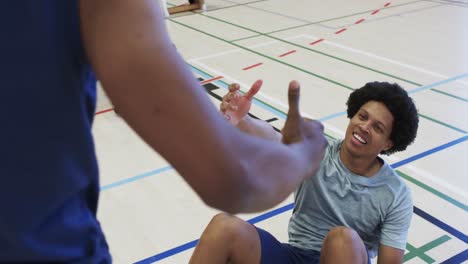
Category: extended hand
[236,106]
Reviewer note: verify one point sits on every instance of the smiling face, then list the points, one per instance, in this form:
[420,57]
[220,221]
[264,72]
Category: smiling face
[369,130]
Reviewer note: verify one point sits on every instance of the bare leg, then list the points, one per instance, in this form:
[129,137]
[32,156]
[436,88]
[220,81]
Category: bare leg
[343,245]
[228,239]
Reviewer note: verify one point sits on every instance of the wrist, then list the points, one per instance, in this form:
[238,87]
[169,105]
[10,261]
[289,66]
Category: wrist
[244,121]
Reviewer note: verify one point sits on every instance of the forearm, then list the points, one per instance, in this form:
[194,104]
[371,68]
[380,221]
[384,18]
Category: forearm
[381,260]
[158,97]
[258,128]
[279,171]
[390,255]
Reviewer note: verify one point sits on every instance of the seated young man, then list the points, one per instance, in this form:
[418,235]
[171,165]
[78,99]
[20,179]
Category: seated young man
[353,209]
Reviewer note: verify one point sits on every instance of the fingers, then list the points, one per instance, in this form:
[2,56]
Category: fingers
[233,87]
[253,90]
[293,98]
[229,97]
[293,128]
[226,106]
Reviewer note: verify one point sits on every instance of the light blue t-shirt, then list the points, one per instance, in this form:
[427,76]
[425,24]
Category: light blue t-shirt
[378,208]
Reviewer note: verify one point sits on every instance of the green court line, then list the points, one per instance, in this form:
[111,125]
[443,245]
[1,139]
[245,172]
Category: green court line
[413,252]
[319,52]
[450,95]
[289,28]
[337,18]
[272,12]
[442,123]
[403,175]
[226,7]
[266,56]
[256,99]
[298,68]
[323,53]
[450,3]
[254,36]
[441,195]
[421,251]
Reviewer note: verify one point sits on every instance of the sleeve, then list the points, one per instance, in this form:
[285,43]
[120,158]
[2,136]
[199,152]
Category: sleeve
[395,228]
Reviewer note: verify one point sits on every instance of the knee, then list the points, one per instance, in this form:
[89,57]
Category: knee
[225,226]
[341,235]
[343,243]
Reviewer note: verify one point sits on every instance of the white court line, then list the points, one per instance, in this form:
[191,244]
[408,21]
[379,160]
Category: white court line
[233,51]
[371,55]
[427,176]
[261,95]
[229,79]
[239,50]
[214,55]
[368,54]
[422,174]
[393,158]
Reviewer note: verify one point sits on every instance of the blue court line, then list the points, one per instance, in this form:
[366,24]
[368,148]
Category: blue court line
[169,253]
[280,210]
[457,259]
[454,232]
[429,152]
[272,213]
[192,244]
[283,116]
[426,87]
[288,207]
[256,101]
[395,165]
[331,116]
[135,178]
[328,117]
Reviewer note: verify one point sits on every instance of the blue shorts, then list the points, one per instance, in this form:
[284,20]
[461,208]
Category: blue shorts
[275,252]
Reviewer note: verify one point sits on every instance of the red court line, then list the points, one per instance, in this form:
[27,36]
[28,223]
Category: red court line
[203,82]
[287,53]
[317,41]
[104,111]
[359,21]
[252,66]
[211,80]
[341,30]
[312,43]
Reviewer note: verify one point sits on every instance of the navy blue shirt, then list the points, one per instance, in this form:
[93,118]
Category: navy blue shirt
[49,178]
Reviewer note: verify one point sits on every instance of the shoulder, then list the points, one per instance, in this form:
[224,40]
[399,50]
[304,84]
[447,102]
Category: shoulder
[394,181]
[333,147]
[398,190]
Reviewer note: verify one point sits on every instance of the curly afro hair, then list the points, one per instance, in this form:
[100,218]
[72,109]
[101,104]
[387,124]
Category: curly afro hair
[396,99]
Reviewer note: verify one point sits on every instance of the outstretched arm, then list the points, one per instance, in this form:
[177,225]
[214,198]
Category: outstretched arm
[130,51]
